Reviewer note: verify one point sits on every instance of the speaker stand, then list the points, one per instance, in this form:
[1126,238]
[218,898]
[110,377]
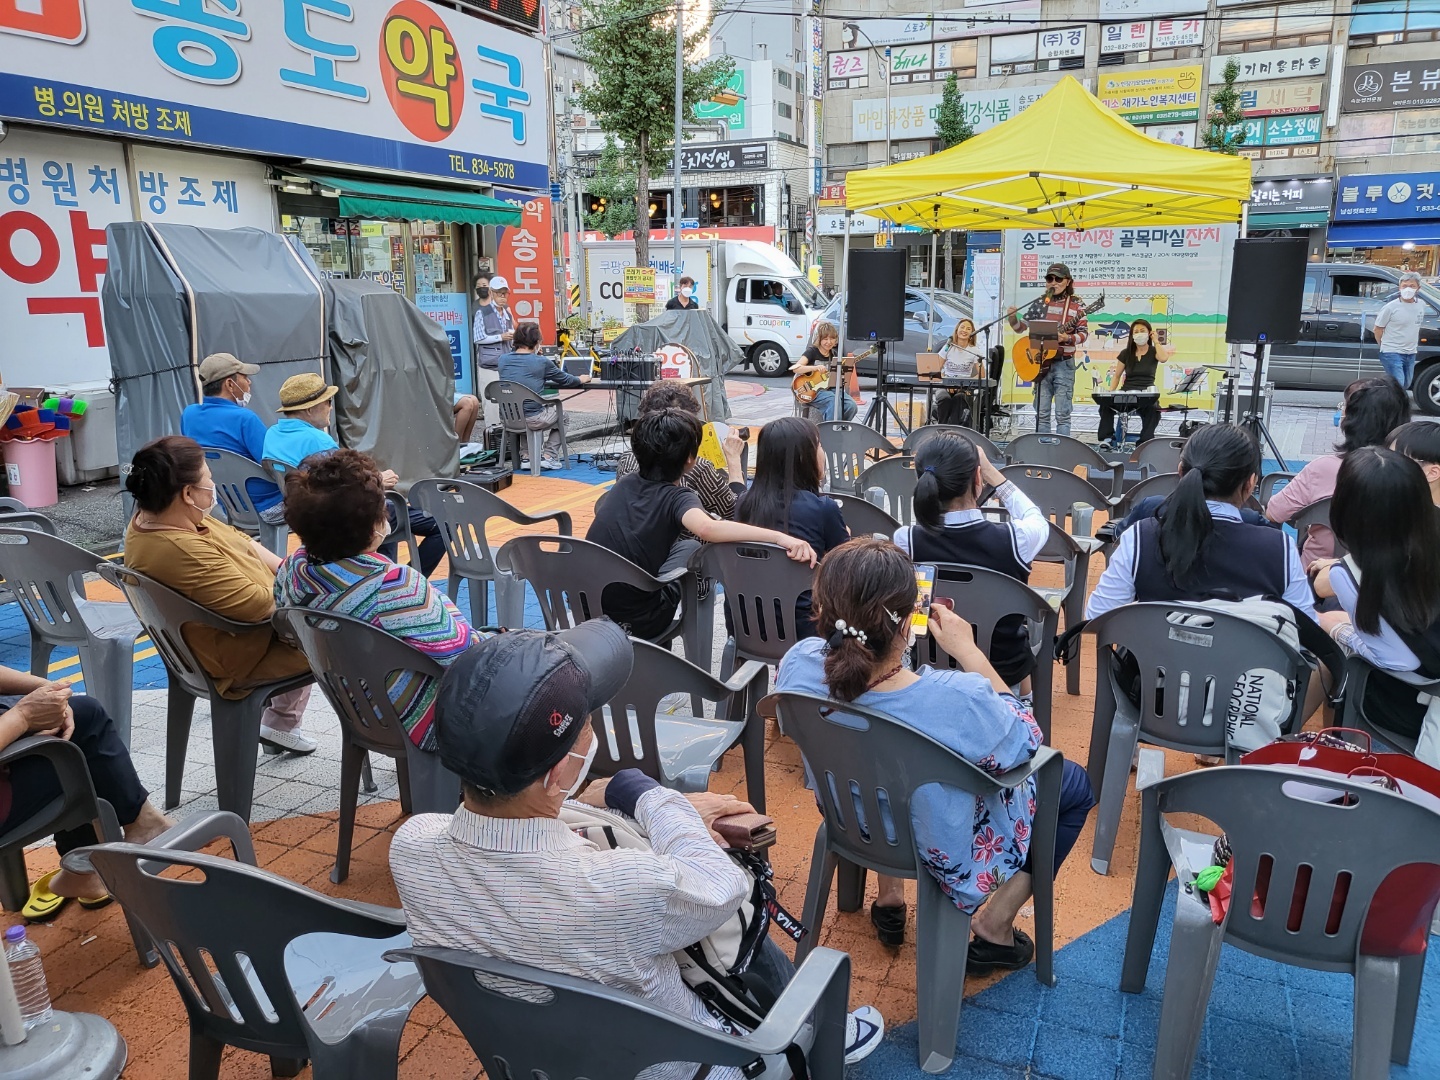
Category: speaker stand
[880,405]
[1253,420]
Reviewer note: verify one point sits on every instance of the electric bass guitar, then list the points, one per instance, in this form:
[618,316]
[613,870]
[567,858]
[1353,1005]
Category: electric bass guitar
[805,387]
[1033,359]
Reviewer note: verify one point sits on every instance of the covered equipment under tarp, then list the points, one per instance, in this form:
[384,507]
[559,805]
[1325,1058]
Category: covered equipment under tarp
[715,352]
[397,381]
[1066,162]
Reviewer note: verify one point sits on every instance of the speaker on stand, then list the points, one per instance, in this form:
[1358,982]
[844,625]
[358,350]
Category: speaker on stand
[1267,286]
[875,313]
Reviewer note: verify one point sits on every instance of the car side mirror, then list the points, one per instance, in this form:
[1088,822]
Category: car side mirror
[793,306]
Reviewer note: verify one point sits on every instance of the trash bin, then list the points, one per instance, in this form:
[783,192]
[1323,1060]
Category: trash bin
[30,467]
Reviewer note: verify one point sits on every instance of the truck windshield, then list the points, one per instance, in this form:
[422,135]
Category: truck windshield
[807,293]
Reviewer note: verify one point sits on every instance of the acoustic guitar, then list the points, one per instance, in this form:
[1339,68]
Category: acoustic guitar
[805,387]
[1033,359]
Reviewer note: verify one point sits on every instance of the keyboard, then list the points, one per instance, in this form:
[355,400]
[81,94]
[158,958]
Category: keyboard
[909,382]
[1126,399]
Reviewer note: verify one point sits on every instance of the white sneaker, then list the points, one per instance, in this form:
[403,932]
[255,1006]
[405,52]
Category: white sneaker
[294,741]
[864,1028]
[551,464]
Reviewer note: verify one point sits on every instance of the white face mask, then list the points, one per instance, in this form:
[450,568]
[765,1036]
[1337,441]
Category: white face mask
[245,399]
[207,510]
[1142,339]
[1407,293]
[686,291]
[586,759]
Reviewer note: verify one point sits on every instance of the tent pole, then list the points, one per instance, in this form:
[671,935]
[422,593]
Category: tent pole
[934,273]
[844,323]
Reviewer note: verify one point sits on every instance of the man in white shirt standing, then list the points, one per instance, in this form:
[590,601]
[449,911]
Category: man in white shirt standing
[504,877]
[492,333]
[1397,328]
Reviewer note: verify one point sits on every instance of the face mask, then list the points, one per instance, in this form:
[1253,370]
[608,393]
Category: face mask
[245,399]
[586,758]
[482,294]
[1142,339]
[1407,293]
[686,291]
[207,510]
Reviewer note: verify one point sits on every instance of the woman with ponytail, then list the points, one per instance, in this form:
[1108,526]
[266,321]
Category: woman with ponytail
[977,849]
[951,472]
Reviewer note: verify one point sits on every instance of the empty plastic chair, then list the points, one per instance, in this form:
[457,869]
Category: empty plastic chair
[47,575]
[400,532]
[1069,454]
[1161,484]
[850,448]
[1160,455]
[1271,483]
[895,478]
[230,472]
[1316,516]
[464,511]
[862,517]
[15,515]
[879,763]
[925,432]
[510,398]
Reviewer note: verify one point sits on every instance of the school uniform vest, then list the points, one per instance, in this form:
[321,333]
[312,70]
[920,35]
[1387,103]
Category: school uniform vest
[1238,560]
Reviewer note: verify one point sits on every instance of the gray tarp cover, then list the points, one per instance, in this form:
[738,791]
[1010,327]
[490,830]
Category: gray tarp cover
[701,334]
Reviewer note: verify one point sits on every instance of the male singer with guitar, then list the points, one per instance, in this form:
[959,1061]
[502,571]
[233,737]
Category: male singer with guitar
[1055,384]
[812,382]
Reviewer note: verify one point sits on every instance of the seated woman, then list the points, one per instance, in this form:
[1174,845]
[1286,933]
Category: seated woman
[173,539]
[785,496]
[964,359]
[952,472]
[525,366]
[1371,409]
[1419,440]
[31,706]
[977,849]
[336,505]
[1389,584]
[815,363]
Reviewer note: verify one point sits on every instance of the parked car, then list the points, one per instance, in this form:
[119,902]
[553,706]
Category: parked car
[1337,332]
[920,316]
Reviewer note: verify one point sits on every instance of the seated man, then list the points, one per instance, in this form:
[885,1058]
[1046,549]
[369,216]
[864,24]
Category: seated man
[643,515]
[466,412]
[504,877]
[224,422]
[304,429]
[537,373]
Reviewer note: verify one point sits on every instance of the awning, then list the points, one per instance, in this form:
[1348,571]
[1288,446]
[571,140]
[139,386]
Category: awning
[1311,220]
[397,202]
[1382,234]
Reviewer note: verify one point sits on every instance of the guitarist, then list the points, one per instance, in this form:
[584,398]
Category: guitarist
[812,370]
[1055,385]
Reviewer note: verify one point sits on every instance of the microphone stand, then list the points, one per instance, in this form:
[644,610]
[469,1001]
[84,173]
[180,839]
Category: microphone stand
[985,430]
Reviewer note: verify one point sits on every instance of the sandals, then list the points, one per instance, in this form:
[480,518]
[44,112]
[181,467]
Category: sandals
[984,956]
[43,904]
[889,923]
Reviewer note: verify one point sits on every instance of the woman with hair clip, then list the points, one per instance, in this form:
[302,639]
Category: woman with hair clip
[977,849]
[785,495]
[1389,584]
[1371,409]
[1419,440]
[951,473]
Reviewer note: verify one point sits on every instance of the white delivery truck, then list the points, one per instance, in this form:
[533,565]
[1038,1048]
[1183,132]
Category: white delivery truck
[755,291]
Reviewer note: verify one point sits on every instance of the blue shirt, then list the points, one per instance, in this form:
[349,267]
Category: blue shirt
[223,424]
[292,440]
[536,372]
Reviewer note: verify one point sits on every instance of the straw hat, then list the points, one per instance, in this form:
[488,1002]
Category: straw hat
[299,392]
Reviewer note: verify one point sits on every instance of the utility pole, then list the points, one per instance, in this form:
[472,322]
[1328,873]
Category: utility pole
[675,198]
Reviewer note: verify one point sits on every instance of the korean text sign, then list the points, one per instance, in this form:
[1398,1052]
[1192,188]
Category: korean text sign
[1387,196]
[399,84]
[1153,95]
[527,260]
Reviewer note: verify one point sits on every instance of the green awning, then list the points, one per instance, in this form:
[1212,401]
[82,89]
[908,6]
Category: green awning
[401,202]
[1308,220]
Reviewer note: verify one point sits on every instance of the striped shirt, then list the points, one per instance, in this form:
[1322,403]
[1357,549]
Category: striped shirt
[398,600]
[530,891]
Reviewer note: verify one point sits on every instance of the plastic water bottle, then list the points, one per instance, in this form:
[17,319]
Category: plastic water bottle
[28,975]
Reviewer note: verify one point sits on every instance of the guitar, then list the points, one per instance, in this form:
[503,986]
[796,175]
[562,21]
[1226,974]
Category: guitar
[1033,359]
[805,387]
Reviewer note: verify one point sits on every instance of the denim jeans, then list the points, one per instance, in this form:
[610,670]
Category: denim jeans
[1077,799]
[823,407]
[1399,366]
[1056,389]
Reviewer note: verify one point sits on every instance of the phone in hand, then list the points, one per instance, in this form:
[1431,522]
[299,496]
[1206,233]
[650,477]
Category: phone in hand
[925,592]
[942,601]
[1163,336]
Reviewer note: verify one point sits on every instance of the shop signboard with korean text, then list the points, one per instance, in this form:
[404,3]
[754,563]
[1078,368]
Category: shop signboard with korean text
[1174,276]
[1160,34]
[979,18]
[729,157]
[1387,197]
[1260,131]
[1299,195]
[403,85]
[210,190]
[451,312]
[1144,9]
[1153,95]
[1281,98]
[1410,84]
[1273,63]
[527,259]
[913,116]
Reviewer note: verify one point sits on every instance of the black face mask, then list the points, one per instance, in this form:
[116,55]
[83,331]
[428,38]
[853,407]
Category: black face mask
[482,294]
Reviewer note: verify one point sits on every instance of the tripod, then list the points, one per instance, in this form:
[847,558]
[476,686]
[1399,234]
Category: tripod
[875,415]
[1253,420]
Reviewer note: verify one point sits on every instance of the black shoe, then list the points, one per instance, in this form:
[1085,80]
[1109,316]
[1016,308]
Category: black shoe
[984,956]
[889,923]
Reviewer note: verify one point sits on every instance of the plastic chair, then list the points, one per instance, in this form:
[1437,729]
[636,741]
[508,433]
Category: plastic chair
[511,397]
[15,515]
[1063,452]
[234,724]
[1186,679]
[230,471]
[354,663]
[1160,455]
[399,507]
[919,436]
[879,761]
[270,966]
[1358,672]
[552,1026]
[862,517]
[894,478]
[47,575]
[983,598]
[850,447]
[463,510]
[1317,514]
[1313,852]
[1271,483]
[1161,484]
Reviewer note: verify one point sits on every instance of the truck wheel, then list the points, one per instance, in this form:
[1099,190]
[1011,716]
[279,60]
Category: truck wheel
[769,359]
[1427,389]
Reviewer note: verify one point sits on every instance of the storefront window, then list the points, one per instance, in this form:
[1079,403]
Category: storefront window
[432,252]
[729,207]
[380,253]
[326,239]
[377,250]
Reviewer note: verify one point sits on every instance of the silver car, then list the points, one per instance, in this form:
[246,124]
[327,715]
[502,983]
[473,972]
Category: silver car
[921,318]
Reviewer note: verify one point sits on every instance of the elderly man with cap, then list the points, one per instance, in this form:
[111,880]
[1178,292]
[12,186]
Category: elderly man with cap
[1055,385]
[492,333]
[223,421]
[505,877]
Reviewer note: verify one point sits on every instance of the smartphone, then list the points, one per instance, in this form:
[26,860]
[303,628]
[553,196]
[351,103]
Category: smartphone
[925,586]
[1163,336]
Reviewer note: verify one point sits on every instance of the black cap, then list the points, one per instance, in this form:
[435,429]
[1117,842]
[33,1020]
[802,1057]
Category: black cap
[510,708]
[1061,269]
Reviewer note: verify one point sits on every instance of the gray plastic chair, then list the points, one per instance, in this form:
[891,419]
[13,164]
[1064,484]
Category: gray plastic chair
[510,398]
[850,447]
[919,436]
[982,598]
[554,1029]
[14,515]
[234,725]
[353,662]
[1158,455]
[639,729]
[230,471]
[399,506]
[463,510]
[1316,514]
[1161,484]
[47,575]
[1271,483]
[270,966]
[1064,452]
[1358,672]
[893,480]
[1318,862]
[876,759]
[1181,671]
[862,517]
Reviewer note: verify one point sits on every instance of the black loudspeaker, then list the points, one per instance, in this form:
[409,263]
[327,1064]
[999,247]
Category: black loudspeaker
[875,304]
[1267,284]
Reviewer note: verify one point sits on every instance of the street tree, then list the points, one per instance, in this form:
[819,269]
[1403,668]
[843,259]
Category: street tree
[1225,125]
[952,128]
[614,186]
